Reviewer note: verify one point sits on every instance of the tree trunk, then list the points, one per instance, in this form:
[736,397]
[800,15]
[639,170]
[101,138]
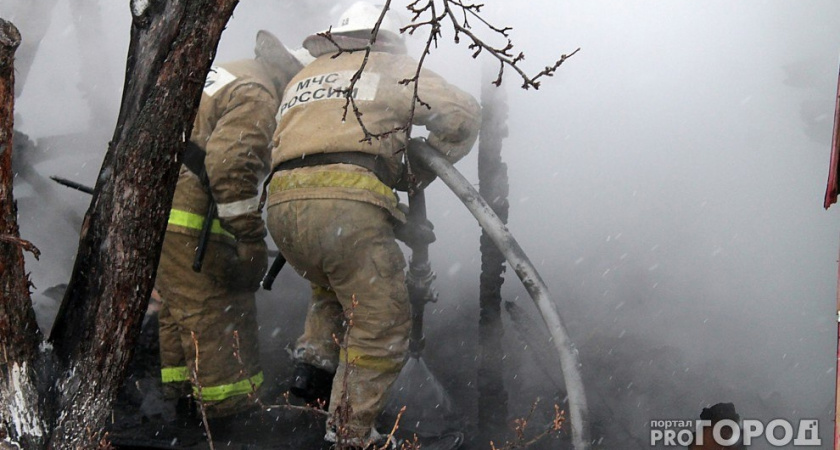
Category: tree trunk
[172,45]
[20,412]
[493,186]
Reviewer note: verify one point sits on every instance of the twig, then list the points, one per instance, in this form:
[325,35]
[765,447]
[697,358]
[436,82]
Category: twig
[104,443]
[320,410]
[23,243]
[418,9]
[503,55]
[413,444]
[521,425]
[198,390]
[237,354]
[344,410]
[317,408]
[393,429]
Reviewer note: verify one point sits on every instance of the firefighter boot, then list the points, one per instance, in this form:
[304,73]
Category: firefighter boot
[311,384]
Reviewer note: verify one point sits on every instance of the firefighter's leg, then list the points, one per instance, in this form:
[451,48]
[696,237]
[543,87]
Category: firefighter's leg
[227,364]
[316,351]
[350,246]
[369,280]
[174,376]
[324,320]
[221,324]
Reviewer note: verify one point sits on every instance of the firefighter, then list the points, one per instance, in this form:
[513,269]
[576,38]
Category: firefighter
[206,311]
[332,209]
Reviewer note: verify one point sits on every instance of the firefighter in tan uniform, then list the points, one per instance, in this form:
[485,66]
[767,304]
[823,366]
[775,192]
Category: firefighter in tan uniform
[332,209]
[233,126]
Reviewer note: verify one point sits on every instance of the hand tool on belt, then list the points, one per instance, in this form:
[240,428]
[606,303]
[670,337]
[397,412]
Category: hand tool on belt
[193,160]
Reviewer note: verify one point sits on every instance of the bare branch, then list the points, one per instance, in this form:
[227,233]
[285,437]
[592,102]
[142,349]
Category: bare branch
[503,55]
[200,399]
[22,243]
[428,8]
[317,408]
[520,427]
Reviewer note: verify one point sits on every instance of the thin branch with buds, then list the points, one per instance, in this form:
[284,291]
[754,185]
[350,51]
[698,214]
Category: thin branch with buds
[237,355]
[436,16]
[504,55]
[344,410]
[197,384]
[520,426]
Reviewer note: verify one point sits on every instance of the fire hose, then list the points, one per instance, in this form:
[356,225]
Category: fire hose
[527,273]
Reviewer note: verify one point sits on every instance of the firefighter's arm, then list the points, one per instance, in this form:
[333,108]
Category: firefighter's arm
[454,118]
[238,158]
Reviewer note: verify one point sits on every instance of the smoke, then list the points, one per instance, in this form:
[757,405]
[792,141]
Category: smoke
[667,183]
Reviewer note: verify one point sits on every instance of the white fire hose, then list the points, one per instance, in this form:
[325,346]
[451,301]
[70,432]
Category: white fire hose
[534,284]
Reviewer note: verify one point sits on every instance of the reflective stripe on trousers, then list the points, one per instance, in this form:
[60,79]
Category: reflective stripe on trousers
[212,393]
[359,359]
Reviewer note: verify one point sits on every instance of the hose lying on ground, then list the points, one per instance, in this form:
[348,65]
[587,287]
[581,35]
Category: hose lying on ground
[534,284]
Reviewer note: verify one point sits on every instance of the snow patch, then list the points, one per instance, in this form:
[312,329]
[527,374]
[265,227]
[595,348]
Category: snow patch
[26,424]
[139,7]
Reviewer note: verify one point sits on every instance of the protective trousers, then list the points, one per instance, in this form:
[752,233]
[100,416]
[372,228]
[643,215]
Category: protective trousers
[200,312]
[347,250]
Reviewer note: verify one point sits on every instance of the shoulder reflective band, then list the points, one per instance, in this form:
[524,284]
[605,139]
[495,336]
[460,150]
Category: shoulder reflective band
[217,78]
[174,374]
[234,209]
[357,358]
[194,221]
[329,178]
[223,391]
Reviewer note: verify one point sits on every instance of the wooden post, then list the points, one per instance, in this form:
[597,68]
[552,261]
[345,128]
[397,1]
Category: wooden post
[493,186]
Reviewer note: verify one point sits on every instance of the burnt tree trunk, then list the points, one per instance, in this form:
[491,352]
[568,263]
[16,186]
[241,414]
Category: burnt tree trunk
[20,412]
[172,45]
[493,186]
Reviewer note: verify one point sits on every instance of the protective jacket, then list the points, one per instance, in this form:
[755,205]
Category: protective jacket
[233,126]
[311,120]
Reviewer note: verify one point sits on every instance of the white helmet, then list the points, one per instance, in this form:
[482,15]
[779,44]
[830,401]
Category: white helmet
[362,16]
[302,55]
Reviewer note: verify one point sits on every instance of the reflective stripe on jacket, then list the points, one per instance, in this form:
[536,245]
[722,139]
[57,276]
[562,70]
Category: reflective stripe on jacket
[234,124]
[333,181]
[195,222]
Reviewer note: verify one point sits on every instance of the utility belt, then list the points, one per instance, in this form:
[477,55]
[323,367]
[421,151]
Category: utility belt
[374,163]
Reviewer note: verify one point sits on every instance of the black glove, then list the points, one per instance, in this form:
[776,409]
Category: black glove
[250,265]
[414,233]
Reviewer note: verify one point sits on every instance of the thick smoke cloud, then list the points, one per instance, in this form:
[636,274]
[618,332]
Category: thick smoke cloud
[667,183]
